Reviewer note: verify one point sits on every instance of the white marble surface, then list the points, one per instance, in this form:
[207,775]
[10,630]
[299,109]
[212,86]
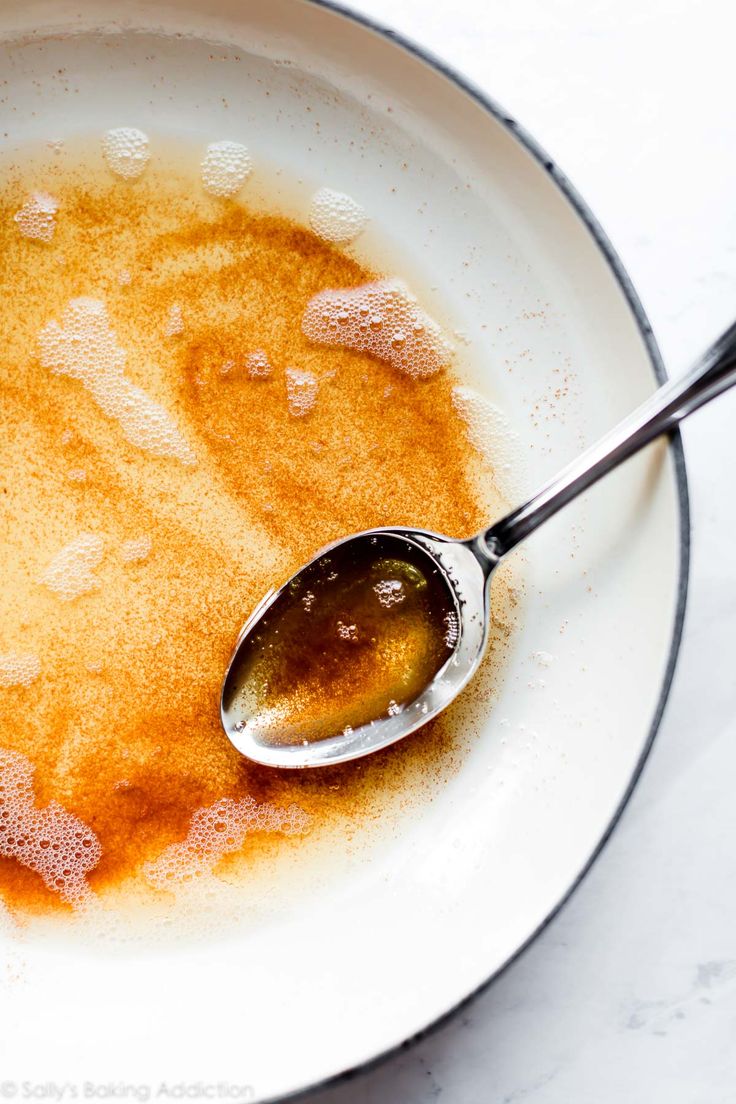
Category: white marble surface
[630,995]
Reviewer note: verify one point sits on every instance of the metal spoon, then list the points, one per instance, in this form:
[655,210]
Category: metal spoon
[467,567]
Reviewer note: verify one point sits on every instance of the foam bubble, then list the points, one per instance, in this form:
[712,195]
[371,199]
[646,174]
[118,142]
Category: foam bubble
[389,592]
[136,549]
[335,217]
[19,668]
[126,151]
[84,347]
[175,321]
[257,365]
[37,217]
[71,572]
[382,318]
[218,830]
[490,433]
[484,421]
[544,659]
[452,629]
[301,391]
[51,841]
[486,424]
[347,632]
[225,168]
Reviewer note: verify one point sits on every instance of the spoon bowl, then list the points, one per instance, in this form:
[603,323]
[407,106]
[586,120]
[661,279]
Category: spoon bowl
[464,568]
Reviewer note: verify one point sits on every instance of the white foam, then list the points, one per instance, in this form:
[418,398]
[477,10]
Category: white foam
[257,365]
[51,841]
[71,572]
[218,830]
[37,217]
[336,217]
[308,600]
[136,549]
[544,659]
[126,151]
[489,432]
[19,668]
[452,629]
[84,347]
[301,391]
[347,632]
[225,168]
[77,475]
[485,423]
[174,321]
[382,318]
[389,592]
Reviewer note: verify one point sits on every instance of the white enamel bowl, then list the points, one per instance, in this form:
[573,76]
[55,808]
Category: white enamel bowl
[559,339]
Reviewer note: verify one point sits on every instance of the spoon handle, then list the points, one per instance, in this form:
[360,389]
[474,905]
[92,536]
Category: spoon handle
[713,373]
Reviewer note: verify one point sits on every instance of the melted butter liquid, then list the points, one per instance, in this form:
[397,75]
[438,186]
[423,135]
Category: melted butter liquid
[354,638]
[118,709]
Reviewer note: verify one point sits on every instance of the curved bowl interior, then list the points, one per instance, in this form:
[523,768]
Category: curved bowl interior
[380,953]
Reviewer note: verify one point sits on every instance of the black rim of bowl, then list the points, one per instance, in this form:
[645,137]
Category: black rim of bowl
[621,276]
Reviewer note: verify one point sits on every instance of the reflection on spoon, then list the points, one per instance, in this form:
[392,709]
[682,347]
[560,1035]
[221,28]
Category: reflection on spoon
[324,671]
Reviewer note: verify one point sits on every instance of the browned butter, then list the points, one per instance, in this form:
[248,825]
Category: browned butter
[120,721]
